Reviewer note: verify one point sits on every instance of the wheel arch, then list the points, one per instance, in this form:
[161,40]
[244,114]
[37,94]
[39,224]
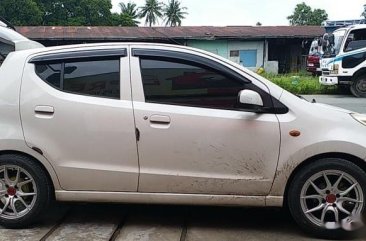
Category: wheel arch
[351,158]
[359,73]
[50,173]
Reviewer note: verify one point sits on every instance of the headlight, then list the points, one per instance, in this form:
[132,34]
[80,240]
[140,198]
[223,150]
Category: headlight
[334,69]
[360,118]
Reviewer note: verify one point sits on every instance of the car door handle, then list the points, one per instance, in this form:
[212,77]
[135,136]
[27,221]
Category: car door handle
[44,110]
[159,119]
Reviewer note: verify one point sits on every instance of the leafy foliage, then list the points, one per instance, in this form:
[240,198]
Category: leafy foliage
[21,12]
[89,12]
[301,84]
[364,11]
[151,11]
[174,13]
[129,14]
[304,15]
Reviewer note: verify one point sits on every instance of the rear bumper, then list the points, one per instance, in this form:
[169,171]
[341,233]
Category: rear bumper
[328,80]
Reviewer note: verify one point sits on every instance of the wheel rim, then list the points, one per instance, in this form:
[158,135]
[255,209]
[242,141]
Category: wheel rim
[361,85]
[331,196]
[18,192]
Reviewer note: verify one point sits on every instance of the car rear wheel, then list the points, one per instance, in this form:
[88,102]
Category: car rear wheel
[327,198]
[358,87]
[25,191]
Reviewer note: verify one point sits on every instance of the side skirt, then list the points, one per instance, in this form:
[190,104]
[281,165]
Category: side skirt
[168,198]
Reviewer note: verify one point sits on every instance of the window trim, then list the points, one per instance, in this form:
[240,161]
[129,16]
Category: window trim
[274,106]
[79,55]
[156,53]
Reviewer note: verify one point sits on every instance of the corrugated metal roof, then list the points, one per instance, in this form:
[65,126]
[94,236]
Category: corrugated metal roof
[147,33]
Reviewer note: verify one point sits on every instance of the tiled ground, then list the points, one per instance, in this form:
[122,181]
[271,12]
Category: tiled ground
[71,222]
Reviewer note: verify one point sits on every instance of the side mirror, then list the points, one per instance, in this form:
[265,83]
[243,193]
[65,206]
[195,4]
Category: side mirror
[250,98]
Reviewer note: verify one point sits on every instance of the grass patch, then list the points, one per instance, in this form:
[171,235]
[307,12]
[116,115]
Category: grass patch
[301,84]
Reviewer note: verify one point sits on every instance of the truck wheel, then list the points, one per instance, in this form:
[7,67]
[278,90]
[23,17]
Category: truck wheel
[358,87]
[25,191]
[327,198]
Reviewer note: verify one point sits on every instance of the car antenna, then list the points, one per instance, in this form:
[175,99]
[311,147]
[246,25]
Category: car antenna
[7,23]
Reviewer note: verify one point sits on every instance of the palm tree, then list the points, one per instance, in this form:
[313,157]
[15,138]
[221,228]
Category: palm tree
[151,11]
[174,13]
[129,11]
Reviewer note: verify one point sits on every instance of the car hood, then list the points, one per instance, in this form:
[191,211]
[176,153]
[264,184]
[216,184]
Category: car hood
[334,108]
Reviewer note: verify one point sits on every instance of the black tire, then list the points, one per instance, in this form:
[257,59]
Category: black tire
[294,193]
[358,87]
[44,190]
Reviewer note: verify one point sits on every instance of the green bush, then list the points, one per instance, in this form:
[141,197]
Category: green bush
[301,83]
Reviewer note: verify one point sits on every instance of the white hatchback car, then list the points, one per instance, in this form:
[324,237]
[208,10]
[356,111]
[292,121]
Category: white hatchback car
[153,123]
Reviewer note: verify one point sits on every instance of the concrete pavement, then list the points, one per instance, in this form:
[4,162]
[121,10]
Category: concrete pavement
[344,101]
[102,222]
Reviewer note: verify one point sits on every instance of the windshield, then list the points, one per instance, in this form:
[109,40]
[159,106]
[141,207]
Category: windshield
[315,48]
[338,39]
[332,49]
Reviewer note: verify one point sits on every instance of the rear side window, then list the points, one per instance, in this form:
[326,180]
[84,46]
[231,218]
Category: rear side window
[94,77]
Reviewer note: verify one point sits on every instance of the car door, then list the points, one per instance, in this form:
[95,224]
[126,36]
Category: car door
[76,109]
[192,137]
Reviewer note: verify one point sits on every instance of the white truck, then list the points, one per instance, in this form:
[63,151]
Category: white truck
[344,59]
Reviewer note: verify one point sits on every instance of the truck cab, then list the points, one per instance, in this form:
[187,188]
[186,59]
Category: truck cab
[344,59]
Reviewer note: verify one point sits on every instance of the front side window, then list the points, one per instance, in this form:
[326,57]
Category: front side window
[177,82]
[95,77]
[355,40]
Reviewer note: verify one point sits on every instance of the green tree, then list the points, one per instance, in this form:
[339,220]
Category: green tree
[76,12]
[174,13]
[129,13]
[304,15]
[364,11]
[123,20]
[151,11]
[21,12]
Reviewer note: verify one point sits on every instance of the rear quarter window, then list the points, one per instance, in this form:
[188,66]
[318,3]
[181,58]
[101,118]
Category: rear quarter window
[50,73]
[93,77]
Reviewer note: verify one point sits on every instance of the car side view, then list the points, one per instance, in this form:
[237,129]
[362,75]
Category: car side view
[155,123]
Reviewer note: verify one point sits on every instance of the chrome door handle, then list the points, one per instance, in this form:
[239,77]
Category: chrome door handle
[44,109]
[159,119]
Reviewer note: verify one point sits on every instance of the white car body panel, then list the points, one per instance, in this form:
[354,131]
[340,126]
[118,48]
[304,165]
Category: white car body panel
[97,139]
[195,168]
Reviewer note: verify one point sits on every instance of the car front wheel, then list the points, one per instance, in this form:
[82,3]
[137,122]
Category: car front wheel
[327,198]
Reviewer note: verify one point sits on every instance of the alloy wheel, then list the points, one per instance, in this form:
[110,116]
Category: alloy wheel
[330,197]
[18,192]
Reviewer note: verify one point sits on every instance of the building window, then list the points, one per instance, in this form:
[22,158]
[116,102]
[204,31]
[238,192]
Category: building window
[234,53]
[248,58]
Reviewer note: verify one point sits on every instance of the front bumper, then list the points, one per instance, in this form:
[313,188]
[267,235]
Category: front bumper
[328,80]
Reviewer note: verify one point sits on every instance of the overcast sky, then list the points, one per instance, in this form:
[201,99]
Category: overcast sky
[249,12]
